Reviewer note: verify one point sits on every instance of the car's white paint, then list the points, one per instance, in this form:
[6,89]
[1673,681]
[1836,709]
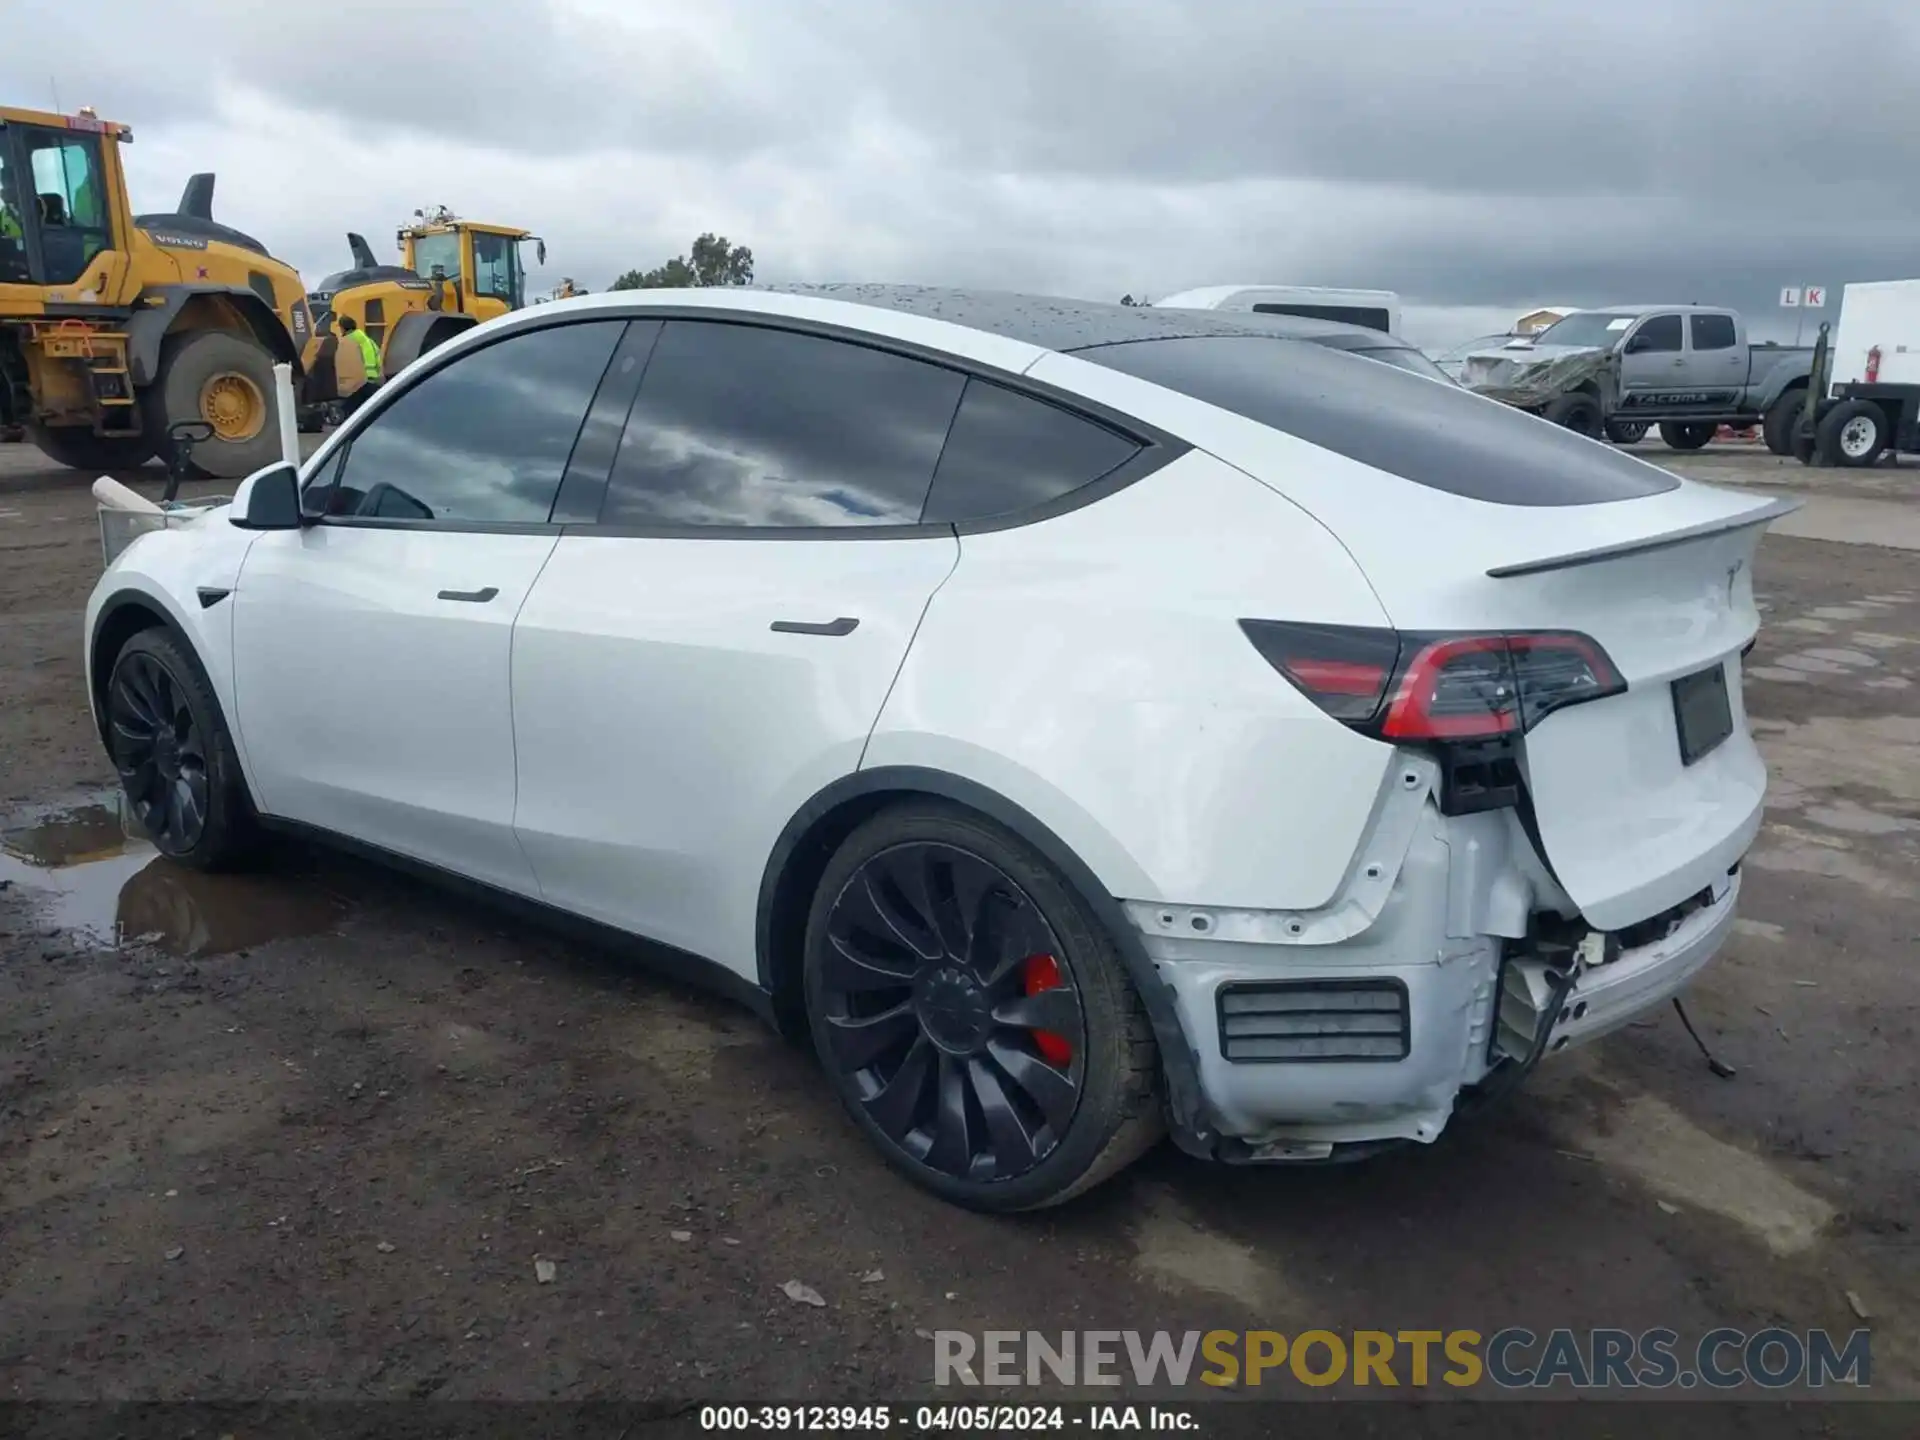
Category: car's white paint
[372,707]
[1134,719]
[667,733]
[621,733]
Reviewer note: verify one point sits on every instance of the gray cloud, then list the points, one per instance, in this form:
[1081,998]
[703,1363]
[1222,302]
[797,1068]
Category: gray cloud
[1485,156]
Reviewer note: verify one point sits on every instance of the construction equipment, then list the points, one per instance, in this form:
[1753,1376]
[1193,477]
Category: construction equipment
[115,326]
[453,274]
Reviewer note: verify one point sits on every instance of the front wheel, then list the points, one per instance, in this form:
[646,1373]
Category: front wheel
[1577,411]
[226,380]
[174,754]
[1626,432]
[1690,435]
[973,1016]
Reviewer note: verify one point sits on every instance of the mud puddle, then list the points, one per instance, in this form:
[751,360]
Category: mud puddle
[88,870]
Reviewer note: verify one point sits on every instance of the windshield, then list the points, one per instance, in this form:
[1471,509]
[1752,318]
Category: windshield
[1405,357]
[443,251]
[1589,327]
[496,267]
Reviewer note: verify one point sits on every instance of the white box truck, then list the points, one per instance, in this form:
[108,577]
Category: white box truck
[1370,309]
[1872,402]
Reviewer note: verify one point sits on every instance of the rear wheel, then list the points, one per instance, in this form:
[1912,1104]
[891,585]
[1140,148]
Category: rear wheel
[83,450]
[175,757]
[1578,412]
[1777,427]
[225,379]
[973,1016]
[1626,432]
[1852,434]
[1688,435]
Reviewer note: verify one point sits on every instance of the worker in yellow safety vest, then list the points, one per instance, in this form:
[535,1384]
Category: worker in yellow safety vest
[369,350]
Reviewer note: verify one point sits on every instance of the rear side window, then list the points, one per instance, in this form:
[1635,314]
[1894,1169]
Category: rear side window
[1712,332]
[484,439]
[1440,436]
[743,425]
[1009,452]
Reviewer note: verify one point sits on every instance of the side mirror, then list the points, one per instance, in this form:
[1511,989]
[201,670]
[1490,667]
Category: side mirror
[269,499]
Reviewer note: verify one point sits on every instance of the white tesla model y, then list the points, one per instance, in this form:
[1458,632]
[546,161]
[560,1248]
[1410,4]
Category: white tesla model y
[1081,721]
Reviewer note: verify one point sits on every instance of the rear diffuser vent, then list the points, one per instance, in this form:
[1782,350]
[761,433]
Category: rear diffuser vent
[1293,1021]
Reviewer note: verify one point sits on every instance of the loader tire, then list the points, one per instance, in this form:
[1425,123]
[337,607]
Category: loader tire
[80,448]
[225,379]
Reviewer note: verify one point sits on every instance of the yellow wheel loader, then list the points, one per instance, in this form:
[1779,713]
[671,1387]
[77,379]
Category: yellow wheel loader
[452,275]
[114,327]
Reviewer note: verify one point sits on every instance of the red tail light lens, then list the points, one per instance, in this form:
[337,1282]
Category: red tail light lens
[1437,686]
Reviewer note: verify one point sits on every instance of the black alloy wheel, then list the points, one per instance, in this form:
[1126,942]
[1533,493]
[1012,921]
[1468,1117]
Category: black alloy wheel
[949,1010]
[161,752]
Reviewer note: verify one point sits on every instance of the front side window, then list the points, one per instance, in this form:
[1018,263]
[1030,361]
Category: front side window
[437,252]
[13,229]
[496,267]
[1659,335]
[68,201]
[1009,452]
[485,439]
[744,425]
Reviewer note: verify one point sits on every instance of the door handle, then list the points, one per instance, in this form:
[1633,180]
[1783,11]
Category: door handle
[843,626]
[474,597]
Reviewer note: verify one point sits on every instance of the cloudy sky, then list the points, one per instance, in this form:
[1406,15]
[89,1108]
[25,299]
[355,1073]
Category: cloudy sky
[1478,158]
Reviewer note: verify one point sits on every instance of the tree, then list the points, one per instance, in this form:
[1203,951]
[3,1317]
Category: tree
[713,262]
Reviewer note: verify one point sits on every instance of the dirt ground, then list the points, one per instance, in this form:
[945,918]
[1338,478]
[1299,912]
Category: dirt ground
[307,1133]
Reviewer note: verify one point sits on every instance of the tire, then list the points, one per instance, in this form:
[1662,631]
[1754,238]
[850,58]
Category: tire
[1687,435]
[1777,427]
[1577,411]
[1075,1102]
[1800,443]
[170,744]
[81,449]
[191,366]
[1853,434]
[1626,432]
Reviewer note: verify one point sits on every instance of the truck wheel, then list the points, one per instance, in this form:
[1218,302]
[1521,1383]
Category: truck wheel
[226,380]
[1578,412]
[1777,428]
[1626,432]
[1852,434]
[79,447]
[1690,435]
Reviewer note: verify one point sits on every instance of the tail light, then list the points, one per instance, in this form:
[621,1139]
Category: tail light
[1436,687]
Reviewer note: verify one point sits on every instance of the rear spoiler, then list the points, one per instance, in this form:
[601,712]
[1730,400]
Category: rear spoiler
[1745,520]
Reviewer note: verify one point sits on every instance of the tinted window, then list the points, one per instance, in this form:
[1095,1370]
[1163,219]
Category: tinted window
[745,425]
[1657,336]
[1440,436]
[1370,316]
[486,438]
[1713,332]
[1010,452]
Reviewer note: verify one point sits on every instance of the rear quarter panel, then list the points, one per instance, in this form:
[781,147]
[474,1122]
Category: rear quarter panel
[1090,668]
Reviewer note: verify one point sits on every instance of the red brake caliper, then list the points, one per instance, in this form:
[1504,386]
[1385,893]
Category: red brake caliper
[1043,973]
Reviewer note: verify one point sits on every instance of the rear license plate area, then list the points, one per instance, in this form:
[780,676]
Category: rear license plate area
[1702,712]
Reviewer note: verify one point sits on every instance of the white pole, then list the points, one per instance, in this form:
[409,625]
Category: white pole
[289,414]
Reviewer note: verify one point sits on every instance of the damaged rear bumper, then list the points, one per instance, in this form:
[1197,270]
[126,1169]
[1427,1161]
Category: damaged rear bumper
[1316,1036]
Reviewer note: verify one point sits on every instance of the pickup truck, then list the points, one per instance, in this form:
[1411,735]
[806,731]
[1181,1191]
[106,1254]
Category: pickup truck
[1616,370]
